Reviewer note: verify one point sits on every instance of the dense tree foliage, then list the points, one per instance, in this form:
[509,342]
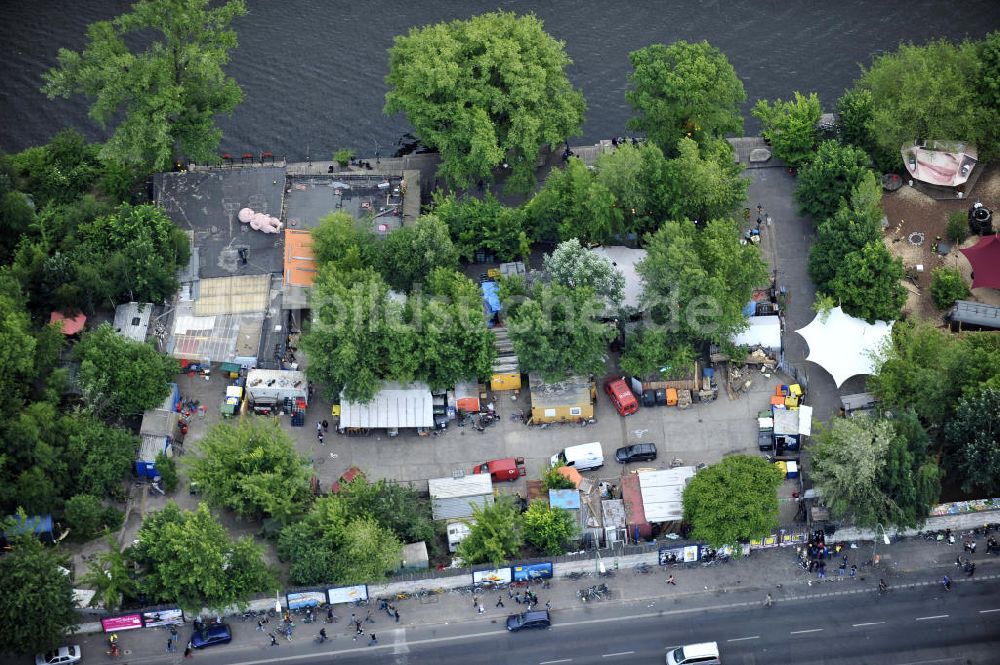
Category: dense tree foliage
[397,507]
[484,91]
[704,182]
[37,609]
[947,286]
[549,529]
[17,345]
[165,96]
[874,471]
[684,90]
[252,469]
[973,440]
[829,178]
[553,480]
[573,204]
[496,533]
[638,180]
[790,126]
[572,265]
[409,254]
[867,283]
[61,171]
[854,225]
[654,352]
[110,576]
[733,501]
[556,330]
[188,558]
[339,241]
[119,376]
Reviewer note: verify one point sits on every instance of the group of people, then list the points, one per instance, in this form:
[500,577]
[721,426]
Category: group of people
[321,429]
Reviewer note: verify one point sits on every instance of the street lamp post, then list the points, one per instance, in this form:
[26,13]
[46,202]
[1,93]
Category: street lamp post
[885,539]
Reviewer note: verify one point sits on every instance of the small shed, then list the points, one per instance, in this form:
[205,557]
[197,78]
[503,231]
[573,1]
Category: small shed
[969,315]
[271,387]
[613,514]
[763,331]
[149,449]
[414,558]
[662,493]
[453,498]
[394,407]
[857,404]
[68,325]
[506,371]
[132,320]
[561,401]
[467,396]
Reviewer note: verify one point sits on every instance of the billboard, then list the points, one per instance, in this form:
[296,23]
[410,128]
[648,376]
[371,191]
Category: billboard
[300,599]
[501,575]
[123,622]
[532,571]
[347,594]
[157,618]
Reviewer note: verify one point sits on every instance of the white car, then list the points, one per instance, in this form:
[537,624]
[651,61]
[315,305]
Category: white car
[60,656]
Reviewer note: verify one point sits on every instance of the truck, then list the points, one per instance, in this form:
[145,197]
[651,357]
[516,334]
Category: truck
[506,469]
[582,457]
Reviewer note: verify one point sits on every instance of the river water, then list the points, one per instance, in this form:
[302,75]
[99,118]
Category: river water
[312,70]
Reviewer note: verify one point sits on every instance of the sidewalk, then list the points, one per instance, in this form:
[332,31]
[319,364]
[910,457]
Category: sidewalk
[905,562]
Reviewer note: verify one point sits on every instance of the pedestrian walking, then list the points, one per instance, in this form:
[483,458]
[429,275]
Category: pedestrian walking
[499,601]
[373,640]
[672,580]
[173,632]
[768,601]
[170,644]
[188,651]
[359,629]
[854,570]
[842,570]
[510,593]
[320,437]
[947,583]
[548,605]
[517,597]
[368,617]
[481,609]
[326,426]
[475,601]
[972,570]
[395,613]
[260,625]
[972,547]
[274,641]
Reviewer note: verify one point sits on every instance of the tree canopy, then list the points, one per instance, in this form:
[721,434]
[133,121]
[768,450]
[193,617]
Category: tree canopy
[484,91]
[165,94]
[572,204]
[684,90]
[868,283]
[409,254]
[855,224]
[704,182]
[37,608]
[496,533]
[790,126]
[947,286]
[252,468]
[188,557]
[829,178]
[573,266]
[549,529]
[482,224]
[120,376]
[973,438]
[733,501]
[555,330]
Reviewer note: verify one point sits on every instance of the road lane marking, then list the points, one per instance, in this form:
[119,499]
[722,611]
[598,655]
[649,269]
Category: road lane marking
[870,623]
[988,611]
[937,616]
[552,662]
[619,653]
[740,639]
[811,630]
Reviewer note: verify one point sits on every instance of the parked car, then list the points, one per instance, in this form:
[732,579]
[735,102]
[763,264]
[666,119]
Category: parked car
[217,633]
[60,656]
[705,653]
[637,452]
[621,396]
[527,620]
[507,469]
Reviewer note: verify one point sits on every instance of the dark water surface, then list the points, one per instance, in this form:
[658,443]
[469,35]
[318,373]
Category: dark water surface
[312,70]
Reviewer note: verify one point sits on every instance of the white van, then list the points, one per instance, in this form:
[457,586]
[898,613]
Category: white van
[583,457]
[705,653]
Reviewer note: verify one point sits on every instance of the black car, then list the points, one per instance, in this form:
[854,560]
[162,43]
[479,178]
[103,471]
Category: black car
[638,452]
[526,620]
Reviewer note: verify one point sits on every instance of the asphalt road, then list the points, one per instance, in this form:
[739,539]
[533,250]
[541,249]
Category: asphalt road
[924,625]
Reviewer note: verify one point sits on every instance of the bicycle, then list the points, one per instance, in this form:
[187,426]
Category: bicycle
[402,595]
[642,569]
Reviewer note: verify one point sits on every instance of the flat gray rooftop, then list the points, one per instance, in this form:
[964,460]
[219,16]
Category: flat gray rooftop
[373,199]
[205,203]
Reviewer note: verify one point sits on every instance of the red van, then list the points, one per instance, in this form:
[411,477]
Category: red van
[509,468]
[623,399]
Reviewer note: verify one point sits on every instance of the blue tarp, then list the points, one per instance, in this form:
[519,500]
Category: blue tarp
[565,499]
[40,525]
[750,309]
[491,297]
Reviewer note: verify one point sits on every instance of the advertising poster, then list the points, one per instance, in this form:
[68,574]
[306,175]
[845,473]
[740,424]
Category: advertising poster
[157,618]
[532,571]
[301,599]
[124,622]
[347,594]
[500,575]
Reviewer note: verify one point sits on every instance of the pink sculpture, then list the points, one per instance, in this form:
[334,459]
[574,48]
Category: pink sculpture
[259,221]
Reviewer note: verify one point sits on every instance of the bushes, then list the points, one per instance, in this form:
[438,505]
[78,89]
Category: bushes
[343,156]
[947,286]
[86,516]
[167,468]
[958,227]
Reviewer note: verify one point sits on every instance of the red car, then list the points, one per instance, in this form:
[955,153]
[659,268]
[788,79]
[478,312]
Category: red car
[508,468]
[621,396]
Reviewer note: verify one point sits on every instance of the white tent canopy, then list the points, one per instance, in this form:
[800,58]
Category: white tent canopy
[763,331]
[843,345]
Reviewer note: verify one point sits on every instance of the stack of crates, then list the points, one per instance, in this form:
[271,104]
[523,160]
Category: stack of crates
[787,396]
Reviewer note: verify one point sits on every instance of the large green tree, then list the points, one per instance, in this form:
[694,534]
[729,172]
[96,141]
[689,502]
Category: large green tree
[854,225]
[17,346]
[109,575]
[685,89]
[165,94]
[482,224]
[867,283]
[253,469]
[189,558]
[397,506]
[484,91]
[573,204]
[119,376]
[340,241]
[572,265]
[790,126]
[555,330]
[549,529]
[37,609]
[409,254]
[829,178]
[638,179]
[973,438]
[733,501]
[496,533]
[704,182]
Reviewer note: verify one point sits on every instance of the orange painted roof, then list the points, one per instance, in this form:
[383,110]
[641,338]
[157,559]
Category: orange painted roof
[572,474]
[300,264]
[70,326]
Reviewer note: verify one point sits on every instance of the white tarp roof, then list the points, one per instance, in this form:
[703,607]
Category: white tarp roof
[805,420]
[764,331]
[844,345]
[662,493]
[393,407]
[624,260]
[132,320]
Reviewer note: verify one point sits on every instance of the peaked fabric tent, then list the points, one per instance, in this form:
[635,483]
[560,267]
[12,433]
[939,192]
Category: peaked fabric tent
[985,259]
[844,345]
